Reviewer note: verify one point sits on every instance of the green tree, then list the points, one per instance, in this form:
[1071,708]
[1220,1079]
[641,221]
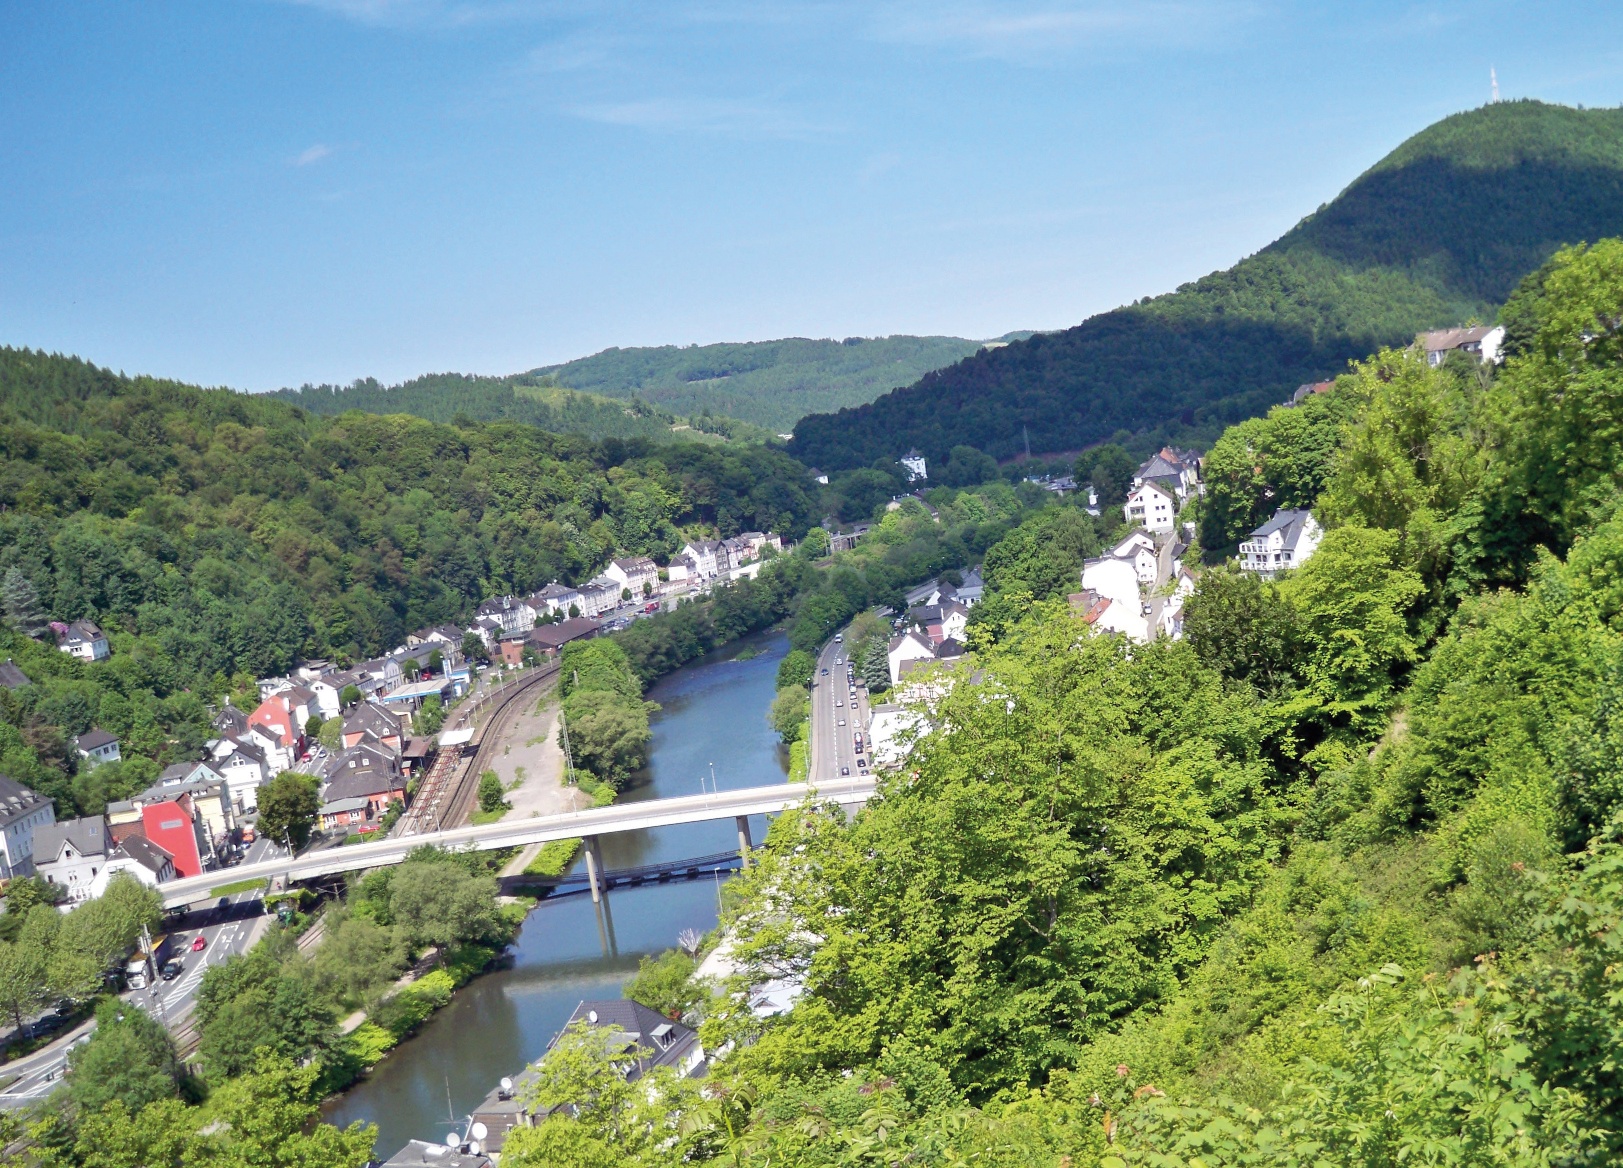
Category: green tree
[1352,599]
[1238,624]
[357,960]
[796,668]
[1110,470]
[666,983]
[608,734]
[473,648]
[312,726]
[20,601]
[251,1004]
[331,734]
[491,795]
[25,963]
[815,546]
[287,808]
[789,712]
[430,716]
[348,696]
[442,904]
[130,1058]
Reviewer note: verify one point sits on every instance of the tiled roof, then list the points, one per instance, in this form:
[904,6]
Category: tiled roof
[17,800]
[87,836]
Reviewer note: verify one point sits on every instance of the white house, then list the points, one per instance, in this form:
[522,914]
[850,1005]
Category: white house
[634,572]
[1151,507]
[557,598]
[1177,472]
[96,746]
[1481,342]
[22,813]
[245,768]
[913,463]
[682,568]
[71,854]
[599,595]
[1116,580]
[82,639]
[912,645]
[1286,541]
[141,858]
[703,554]
[1138,550]
[514,614]
[892,730]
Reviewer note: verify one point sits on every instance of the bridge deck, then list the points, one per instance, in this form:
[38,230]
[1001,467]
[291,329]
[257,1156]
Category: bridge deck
[518,833]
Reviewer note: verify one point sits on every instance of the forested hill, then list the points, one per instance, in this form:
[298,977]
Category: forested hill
[222,531]
[1435,234]
[537,399]
[771,383]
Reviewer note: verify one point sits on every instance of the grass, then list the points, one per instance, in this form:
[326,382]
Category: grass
[553,859]
[239,886]
[483,817]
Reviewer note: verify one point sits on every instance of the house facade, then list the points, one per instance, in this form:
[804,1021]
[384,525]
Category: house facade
[1286,541]
[96,746]
[82,639]
[634,572]
[71,854]
[1152,507]
[22,814]
[915,465]
[1482,342]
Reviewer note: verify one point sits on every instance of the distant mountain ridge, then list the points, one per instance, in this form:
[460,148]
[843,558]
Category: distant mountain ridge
[770,383]
[1436,233]
[535,400]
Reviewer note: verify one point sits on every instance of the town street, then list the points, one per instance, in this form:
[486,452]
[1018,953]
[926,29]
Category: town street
[34,1076]
[833,749]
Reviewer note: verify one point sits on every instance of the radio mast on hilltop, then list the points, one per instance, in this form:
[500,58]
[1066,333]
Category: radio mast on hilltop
[1493,79]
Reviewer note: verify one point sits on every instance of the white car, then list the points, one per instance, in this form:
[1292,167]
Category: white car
[839,704]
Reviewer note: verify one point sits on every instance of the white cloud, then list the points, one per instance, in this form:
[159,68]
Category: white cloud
[437,13]
[313,155]
[1029,30]
[731,118]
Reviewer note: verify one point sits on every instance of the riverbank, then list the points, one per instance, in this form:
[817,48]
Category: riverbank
[713,714]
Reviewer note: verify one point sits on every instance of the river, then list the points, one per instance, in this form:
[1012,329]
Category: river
[714,714]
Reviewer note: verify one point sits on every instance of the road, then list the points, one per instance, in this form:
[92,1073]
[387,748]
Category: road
[37,1075]
[837,717]
[768,800]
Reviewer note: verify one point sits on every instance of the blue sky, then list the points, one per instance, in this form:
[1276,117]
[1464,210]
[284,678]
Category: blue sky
[265,192]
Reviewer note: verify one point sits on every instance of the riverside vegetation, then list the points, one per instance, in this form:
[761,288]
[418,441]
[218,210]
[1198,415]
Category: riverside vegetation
[1332,881]
[219,537]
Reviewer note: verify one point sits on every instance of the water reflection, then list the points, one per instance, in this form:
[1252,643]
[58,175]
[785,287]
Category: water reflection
[714,712]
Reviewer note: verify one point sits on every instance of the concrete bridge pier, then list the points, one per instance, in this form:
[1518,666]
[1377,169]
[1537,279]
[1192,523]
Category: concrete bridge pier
[594,869]
[744,844]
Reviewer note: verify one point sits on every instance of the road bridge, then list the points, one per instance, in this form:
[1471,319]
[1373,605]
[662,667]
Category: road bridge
[588,825]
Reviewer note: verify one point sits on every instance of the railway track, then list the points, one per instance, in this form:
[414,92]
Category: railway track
[456,802]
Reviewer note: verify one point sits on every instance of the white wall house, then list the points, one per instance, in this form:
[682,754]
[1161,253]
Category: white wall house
[22,813]
[703,554]
[71,854]
[910,646]
[82,639]
[633,572]
[1116,580]
[1286,541]
[913,463]
[1151,508]
[1481,342]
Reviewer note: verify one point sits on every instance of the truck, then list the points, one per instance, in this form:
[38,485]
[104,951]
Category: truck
[148,960]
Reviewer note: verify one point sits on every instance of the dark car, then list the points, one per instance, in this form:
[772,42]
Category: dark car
[845,770]
[171,970]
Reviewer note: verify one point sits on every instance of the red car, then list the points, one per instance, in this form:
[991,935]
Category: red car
[198,944]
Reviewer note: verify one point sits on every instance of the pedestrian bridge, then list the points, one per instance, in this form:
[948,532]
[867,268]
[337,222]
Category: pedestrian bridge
[587,825]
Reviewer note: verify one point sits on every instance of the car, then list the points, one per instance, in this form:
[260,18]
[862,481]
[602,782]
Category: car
[839,704]
[842,722]
[839,638]
[845,770]
[839,660]
[825,673]
[199,944]
[171,970]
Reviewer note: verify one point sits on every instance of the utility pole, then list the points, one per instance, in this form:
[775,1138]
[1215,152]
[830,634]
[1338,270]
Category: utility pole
[1024,430]
[1493,79]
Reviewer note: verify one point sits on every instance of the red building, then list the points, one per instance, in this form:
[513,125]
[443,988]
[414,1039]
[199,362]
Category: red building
[175,826]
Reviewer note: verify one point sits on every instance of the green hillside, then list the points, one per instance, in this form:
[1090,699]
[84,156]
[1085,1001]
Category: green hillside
[536,399]
[771,383]
[1435,234]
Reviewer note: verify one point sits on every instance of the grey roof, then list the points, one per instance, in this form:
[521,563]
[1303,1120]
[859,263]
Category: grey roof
[17,801]
[422,1154]
[94,739]
[361,770]
[13,678]
[145,853]
[87,836]
[1289,523]
[231,720]
[373,717]
[354,803]
[667,1043]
